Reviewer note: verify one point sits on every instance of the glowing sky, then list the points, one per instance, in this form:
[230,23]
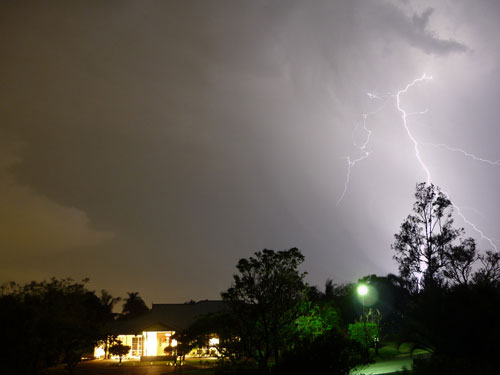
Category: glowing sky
[150,145]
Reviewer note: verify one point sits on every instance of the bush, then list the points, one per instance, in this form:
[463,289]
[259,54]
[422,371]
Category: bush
[332,353]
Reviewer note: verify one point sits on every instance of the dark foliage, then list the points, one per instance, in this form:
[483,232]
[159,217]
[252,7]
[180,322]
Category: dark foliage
[42,324]
[390,298]
[331,353]
[237,368]
[460,325]
[454,311]
[134,306]
[224,326]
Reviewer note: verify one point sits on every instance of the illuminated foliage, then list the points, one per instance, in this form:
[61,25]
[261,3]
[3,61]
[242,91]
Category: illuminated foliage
[315,321]
[366,333]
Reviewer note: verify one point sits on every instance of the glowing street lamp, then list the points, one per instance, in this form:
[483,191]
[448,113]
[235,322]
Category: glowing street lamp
[363,291]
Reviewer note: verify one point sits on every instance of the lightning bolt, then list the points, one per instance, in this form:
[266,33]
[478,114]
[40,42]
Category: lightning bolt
[465,153]
[474,226]
[363,148]
[352,163]
[404,116]
[416,147]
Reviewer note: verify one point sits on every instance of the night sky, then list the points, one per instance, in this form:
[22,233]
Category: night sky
[150,145]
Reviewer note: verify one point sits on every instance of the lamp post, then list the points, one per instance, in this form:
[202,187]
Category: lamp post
[363,291]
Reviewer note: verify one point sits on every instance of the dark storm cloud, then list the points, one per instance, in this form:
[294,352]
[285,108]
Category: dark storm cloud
[166,140]
[415,30]
[31,223]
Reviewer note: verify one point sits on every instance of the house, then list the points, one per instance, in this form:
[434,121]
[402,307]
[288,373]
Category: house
[150,334]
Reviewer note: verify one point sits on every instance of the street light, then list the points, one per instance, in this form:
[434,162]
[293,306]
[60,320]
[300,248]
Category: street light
[363,291]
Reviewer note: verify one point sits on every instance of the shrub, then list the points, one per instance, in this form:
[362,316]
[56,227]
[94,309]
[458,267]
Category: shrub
[332,353]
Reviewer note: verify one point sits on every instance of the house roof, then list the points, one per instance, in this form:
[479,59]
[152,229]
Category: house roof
[167,317]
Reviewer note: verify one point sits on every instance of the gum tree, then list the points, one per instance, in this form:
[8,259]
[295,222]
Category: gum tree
[428,247]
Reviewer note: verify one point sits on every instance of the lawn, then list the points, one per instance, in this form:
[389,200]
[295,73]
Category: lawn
[110,367]
[390,360]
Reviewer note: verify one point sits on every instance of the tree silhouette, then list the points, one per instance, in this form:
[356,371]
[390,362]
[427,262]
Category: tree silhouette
[134,305]
[108,303]
[428,247]
[265,297]
[119,349]
[47,323]
[489,273]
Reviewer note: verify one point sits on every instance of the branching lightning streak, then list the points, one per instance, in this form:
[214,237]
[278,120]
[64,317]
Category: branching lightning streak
[404,115]
[351,163]
[465,153]
[416,146]
[481,234]
[362,148]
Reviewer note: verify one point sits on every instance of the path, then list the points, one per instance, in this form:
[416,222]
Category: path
[385,367]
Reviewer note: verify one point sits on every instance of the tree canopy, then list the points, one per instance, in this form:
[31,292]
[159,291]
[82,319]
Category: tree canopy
[49,322]
[265,297]
[428,247]
[134,306]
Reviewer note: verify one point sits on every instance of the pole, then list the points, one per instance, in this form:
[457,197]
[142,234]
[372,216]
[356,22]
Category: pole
[364,321]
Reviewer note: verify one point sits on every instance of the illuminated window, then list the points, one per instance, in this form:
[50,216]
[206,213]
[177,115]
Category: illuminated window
[137,345]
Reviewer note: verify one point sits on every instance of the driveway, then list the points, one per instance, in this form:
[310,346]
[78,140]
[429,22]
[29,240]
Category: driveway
[385,367]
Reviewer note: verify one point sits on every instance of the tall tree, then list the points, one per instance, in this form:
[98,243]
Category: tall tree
[425,243]
[134,305]
[108,303]
[265,297]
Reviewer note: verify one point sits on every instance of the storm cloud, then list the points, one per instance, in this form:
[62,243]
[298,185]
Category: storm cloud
[150,145]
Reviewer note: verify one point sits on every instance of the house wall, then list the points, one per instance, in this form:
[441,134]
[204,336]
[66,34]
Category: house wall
[153,344]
